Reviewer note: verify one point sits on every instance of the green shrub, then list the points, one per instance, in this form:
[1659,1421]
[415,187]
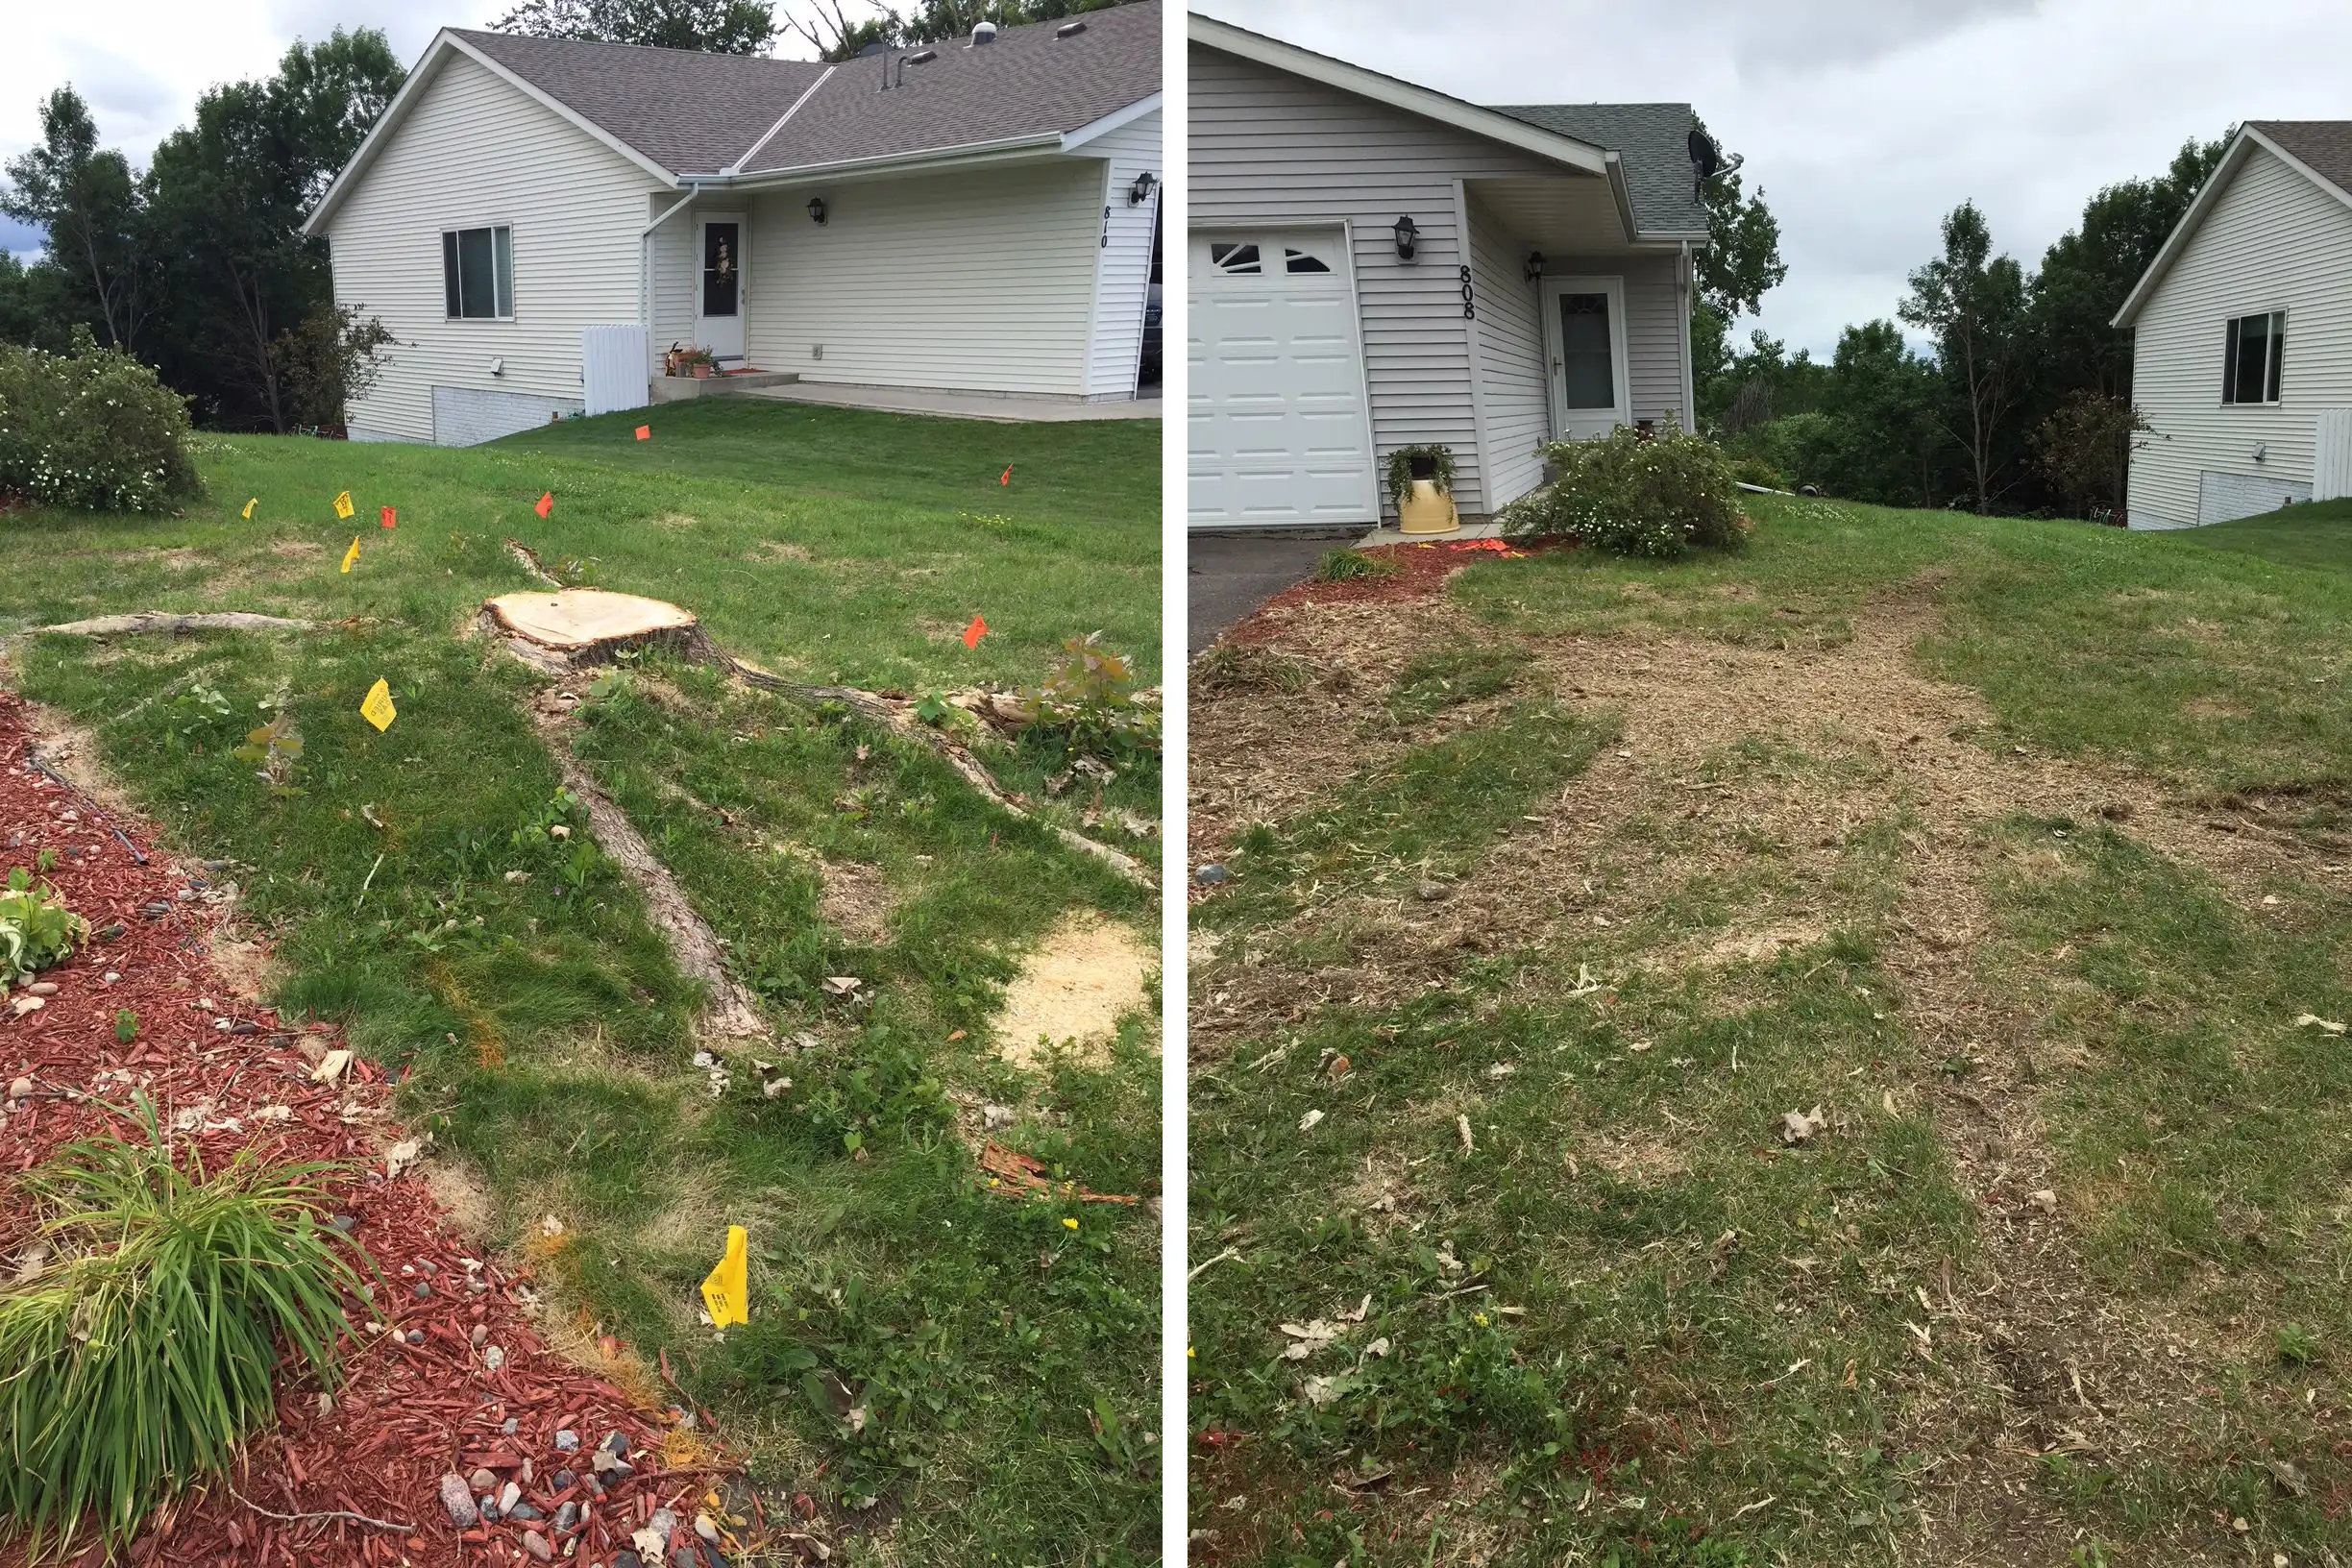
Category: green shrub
[1753,469]
[92,430]
[1632,494]
[140,1354]
[1091,703]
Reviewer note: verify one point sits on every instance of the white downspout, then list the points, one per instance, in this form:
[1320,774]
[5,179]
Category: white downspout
[644,266]
[1685,282]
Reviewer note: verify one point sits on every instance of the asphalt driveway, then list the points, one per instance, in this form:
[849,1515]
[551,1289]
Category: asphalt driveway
[1231,574]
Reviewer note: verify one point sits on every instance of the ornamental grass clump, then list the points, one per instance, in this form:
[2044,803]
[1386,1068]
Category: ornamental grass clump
[142,1328]
[92,430]
[1633,494]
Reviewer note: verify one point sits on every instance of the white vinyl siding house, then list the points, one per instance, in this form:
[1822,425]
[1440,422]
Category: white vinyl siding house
[977,235]
[1513,391]
[977,281]
[479,154]
[2268,239]
[1449,344]
[1122,273]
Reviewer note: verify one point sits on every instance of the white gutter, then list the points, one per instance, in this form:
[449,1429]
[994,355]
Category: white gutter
[751,151]
[932,158]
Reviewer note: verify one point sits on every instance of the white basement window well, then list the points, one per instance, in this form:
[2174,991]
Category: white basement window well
[477,272]
[2251,356]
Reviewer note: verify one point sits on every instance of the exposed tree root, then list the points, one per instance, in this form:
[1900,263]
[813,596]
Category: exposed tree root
[731,1013]
[893,714]
[153,620]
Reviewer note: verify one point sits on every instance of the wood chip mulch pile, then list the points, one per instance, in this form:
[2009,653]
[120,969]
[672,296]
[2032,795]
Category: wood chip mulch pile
[1421,570]
[445,1374]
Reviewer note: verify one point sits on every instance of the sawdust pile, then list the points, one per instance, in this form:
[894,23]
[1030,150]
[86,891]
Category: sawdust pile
[1084,977]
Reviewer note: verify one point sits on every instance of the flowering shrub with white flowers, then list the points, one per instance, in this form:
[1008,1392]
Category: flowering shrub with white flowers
[1632,493]
[93,430]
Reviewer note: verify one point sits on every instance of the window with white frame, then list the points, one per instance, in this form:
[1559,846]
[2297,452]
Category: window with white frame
[477,272]
[2250,361]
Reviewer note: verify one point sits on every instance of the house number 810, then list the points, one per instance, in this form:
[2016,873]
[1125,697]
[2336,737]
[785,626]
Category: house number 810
[1469,306]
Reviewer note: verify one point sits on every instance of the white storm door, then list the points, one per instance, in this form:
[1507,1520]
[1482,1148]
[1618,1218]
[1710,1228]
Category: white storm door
[1584,339]
[1277,428]
[719,287]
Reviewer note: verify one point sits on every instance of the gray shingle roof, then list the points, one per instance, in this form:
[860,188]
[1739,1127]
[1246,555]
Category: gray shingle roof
[1028,83]
[698,113]
[690,112]
[2325,145]
[1654,140]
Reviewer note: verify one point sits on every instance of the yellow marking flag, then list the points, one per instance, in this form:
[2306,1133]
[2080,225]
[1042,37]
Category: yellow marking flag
[377,709]
[249,507]
[349,556]
[343,505]
[727,1292]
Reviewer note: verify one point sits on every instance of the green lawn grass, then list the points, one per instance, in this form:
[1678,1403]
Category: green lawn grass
[1005,1359]
[1621,1321]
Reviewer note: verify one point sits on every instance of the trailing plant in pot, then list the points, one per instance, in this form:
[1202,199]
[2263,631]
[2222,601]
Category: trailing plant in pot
[1428,460]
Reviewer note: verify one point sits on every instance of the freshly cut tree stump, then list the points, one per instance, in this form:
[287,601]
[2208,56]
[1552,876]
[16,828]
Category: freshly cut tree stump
[584,624]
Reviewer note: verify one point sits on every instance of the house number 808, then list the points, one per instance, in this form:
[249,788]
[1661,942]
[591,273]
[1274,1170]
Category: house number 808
[1469,304]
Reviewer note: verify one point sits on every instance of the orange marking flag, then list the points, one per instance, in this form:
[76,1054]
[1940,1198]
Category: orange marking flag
[1006,477]
[547,504]
[391,518]
[974,632]
[645,433]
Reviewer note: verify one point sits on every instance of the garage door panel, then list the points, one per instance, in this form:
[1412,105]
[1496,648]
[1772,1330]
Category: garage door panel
[1279,432]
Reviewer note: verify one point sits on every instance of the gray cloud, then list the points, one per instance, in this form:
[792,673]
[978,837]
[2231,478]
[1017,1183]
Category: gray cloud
[1867,120]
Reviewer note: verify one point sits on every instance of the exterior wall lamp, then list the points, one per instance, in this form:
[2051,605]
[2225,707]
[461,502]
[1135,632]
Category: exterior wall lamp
[1140,191]
[816,210]
[1535,266]
[1406,231]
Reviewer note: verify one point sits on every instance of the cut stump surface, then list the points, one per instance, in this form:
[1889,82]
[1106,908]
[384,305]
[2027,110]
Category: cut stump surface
[579,620]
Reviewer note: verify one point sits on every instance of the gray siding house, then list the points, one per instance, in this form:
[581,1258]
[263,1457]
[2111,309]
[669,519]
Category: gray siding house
[1372,264]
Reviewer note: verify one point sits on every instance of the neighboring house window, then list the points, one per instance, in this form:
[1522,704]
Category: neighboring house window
[2250,367]
[1234,258]
[1303,262]
[477,272]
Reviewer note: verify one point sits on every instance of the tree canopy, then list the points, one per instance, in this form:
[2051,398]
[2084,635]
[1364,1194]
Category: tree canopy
[196,264]
[719,27]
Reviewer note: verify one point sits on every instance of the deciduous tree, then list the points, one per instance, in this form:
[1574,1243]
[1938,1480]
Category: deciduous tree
[1974,303]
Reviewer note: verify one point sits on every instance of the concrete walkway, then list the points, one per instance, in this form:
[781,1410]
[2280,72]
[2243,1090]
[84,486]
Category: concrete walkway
[1386,535]
[908,400]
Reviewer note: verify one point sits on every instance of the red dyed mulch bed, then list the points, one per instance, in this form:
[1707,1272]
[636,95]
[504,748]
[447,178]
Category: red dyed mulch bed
[420,1400]
[1421,572]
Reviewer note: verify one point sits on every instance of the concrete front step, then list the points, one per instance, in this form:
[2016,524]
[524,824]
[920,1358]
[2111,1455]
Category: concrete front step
[679,388]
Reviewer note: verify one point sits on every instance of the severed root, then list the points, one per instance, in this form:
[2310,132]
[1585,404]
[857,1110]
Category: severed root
[145,622]
[899,717]
[892,714]
[730,1012]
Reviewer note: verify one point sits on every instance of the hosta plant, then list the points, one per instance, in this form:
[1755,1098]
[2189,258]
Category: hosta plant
[36,929]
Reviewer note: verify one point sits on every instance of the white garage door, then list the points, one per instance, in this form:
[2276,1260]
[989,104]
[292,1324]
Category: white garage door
[1278,429]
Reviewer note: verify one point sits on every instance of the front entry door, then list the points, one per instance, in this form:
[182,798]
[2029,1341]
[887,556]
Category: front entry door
[719,291]
[1585,336]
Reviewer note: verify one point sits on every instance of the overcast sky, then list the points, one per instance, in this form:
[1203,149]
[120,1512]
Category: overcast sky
[1864,120]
